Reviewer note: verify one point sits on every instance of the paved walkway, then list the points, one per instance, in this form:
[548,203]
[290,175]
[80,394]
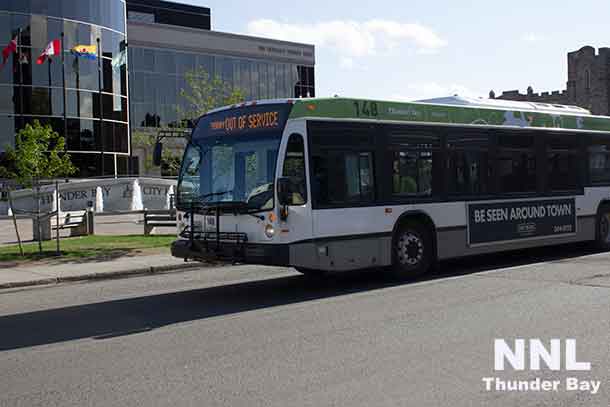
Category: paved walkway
[25,275]
[104,225]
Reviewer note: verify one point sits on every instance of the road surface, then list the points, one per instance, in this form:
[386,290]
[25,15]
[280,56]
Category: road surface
[259,336]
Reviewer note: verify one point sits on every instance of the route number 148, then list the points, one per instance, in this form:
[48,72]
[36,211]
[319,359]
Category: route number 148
[365,108]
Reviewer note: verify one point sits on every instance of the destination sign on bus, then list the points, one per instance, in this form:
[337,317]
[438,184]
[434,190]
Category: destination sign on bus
[252,121]
[244,120]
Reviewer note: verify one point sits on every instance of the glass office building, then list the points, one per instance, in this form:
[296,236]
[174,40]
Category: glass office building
[105,104]
[163,49]
[95,118]
[157,77]
[161,54]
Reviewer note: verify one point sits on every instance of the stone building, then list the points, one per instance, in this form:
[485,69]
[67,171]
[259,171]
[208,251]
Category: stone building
[588,84]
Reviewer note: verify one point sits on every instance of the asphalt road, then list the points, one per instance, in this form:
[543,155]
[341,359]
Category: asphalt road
[256,336]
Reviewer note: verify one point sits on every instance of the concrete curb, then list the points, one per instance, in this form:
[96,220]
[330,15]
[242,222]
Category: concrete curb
[103,276]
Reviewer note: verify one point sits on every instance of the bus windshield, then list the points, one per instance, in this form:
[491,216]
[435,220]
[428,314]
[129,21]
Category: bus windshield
[224,164]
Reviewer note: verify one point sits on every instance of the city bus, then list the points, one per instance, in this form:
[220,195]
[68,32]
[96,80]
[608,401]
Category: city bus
[338,184]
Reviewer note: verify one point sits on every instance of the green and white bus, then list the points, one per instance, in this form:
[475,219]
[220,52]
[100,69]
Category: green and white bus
[345,184]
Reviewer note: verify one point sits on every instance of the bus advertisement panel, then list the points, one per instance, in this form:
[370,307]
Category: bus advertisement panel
[508,221]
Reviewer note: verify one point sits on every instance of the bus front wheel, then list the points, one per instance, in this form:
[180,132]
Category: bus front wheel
[603,228]
[412,249]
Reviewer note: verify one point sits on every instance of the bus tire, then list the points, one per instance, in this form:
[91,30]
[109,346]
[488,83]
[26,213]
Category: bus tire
[603,228]
[412,249]
[312,273]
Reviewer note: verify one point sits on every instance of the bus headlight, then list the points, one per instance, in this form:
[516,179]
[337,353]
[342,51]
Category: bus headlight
[269,231]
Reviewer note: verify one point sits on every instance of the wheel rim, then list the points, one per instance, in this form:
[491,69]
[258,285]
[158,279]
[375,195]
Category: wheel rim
[410,249]
[605,228]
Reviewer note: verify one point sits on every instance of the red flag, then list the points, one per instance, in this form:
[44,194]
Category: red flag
[54,48]
[8,50]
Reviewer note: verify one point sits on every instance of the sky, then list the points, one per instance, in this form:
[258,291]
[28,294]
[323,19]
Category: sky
[414,49]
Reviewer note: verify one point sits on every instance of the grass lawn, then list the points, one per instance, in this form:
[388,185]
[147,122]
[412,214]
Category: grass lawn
[87,247]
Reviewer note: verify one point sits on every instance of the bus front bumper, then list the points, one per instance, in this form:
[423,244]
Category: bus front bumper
[250,253]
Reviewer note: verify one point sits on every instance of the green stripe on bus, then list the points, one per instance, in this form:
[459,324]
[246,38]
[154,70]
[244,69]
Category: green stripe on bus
[343,108]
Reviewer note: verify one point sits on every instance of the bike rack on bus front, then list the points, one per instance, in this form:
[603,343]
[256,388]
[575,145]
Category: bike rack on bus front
[214,241]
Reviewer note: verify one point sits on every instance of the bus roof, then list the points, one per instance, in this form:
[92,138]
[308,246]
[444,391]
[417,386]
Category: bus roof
[453,110]
[507,105]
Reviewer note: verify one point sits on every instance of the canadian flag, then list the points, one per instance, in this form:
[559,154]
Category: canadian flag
[54,48]
[8,50]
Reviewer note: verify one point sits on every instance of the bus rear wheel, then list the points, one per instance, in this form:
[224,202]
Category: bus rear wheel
[603,228]
[412,249]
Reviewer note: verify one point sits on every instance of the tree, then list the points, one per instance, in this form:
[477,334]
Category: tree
[202,94]
[205,93]
[170,158]
[39,153]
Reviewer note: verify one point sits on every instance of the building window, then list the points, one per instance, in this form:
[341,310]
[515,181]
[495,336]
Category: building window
[587,79]
[305,87]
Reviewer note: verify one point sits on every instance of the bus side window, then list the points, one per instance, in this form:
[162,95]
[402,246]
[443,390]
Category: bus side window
[599,160]
[294,169]
[468,162]
[359,176]
[414,157]
[562,163]
[343,178]
[516,163]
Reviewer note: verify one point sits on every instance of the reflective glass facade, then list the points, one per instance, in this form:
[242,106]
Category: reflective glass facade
[157,76]
[95,118]
[96,106]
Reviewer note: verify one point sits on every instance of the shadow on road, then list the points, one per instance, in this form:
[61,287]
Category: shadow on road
[134,315]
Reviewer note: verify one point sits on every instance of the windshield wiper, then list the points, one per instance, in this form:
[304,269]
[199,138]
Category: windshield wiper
[201,197]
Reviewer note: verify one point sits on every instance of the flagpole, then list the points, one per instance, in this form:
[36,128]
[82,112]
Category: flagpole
[50,90]
[126,49]
[77,70]
[63,84]
[20,76]
[99,81]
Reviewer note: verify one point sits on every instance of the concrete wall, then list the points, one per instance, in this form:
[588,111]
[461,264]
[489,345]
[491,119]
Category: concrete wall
[554,97]
[203,41]
[77,195]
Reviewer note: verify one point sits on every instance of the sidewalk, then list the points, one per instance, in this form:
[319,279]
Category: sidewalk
[126,224]
[29,275]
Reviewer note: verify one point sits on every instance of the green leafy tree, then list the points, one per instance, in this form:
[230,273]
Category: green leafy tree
[205,92]
[39,153]
[202,94]
[170,158]
[170,163]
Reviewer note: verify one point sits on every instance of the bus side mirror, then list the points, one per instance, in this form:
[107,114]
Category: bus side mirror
[157,154]
[283,191]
